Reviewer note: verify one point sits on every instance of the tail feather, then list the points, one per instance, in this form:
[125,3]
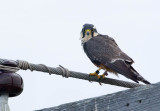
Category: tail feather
[139,77]
[127,70]
[146,82]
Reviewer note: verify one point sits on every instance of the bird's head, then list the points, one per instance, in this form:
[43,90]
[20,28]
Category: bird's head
[88,31]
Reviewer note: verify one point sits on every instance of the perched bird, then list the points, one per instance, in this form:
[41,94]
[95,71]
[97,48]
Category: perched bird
[104,52]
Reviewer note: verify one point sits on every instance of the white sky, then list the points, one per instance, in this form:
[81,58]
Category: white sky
[48,31]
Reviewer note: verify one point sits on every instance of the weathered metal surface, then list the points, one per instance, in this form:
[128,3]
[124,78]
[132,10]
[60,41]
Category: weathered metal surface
[143,98]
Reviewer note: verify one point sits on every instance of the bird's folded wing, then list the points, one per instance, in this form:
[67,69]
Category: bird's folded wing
[104,47]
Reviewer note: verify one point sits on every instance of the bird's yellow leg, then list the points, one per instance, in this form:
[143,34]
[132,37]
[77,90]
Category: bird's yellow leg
[102,76]
[96,73]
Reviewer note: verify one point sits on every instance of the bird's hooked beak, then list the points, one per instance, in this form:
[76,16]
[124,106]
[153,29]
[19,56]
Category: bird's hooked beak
[87,32]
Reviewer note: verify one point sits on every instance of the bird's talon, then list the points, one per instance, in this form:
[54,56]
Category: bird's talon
[101,77]
[100,83]
[90,81]
[95,74]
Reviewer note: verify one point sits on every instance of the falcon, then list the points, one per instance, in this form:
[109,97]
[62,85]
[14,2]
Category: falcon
[104,52]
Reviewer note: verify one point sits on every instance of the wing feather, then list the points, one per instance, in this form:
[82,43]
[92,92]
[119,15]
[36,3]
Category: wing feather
[105,47]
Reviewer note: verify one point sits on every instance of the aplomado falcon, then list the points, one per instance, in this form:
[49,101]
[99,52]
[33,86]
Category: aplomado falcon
[104,52]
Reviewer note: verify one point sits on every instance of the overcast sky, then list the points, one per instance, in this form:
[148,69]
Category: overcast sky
[48,31]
